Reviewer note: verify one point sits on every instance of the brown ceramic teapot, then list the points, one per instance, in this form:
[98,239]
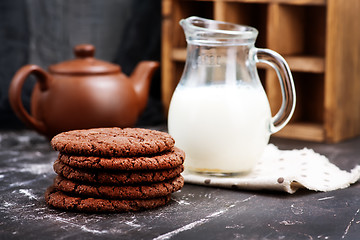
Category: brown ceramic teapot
[82,93]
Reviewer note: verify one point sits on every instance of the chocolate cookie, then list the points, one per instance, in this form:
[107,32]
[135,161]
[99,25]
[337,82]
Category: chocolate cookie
[115,177]
[120,192]
[60,200]
[112,142]
[165,160]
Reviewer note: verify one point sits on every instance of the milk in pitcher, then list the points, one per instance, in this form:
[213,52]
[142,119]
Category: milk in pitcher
[222,128]
[219,113]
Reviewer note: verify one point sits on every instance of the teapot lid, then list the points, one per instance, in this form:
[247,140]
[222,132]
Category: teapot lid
[84,63]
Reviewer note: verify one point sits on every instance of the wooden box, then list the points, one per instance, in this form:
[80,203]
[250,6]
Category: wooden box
[320,39]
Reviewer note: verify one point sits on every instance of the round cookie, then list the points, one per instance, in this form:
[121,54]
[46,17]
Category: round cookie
[165,160]
[120,192]
[115,177]
[60,200]
[112,142]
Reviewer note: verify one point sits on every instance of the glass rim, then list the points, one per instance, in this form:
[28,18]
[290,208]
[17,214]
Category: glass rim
[213,27]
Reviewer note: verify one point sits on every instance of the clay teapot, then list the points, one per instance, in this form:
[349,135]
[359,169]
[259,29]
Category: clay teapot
[82,93]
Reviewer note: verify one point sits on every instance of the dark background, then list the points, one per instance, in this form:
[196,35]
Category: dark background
[44,32]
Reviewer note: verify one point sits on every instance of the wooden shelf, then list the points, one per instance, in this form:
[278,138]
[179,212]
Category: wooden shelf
[179,54]
[296,63]
[302,64]
[312,36]
[303,131]
[290,2]
[306,64]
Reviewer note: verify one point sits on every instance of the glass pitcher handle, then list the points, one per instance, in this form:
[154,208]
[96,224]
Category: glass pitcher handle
[282,70]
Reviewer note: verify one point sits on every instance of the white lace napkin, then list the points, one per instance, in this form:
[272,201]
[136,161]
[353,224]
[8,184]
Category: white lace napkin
[285,170]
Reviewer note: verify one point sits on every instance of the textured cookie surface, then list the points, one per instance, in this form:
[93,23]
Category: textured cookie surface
[115,177]
[165,160]
[112,142]
[153,190]
[60,200]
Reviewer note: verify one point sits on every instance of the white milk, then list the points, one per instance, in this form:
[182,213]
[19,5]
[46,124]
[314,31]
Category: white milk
[222,129]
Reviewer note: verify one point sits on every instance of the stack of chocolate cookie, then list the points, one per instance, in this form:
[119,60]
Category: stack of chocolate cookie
[114,170]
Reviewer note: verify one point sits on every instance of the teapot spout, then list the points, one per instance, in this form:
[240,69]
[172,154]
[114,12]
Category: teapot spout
[141,79]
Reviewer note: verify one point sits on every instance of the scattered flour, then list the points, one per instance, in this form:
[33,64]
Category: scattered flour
[8,204]
[28,193]
[181,202]
[290,223]
[86,229]
[193,224]
[297,210]
[23,139]
[36,168]
[133,223]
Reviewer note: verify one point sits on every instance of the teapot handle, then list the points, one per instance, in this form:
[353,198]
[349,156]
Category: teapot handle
[278,63]
[15,89]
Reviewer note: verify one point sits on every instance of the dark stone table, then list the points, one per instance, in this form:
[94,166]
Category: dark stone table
[195,212]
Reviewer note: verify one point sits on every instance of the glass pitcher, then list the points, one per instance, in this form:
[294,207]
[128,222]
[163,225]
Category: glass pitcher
[219,113]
